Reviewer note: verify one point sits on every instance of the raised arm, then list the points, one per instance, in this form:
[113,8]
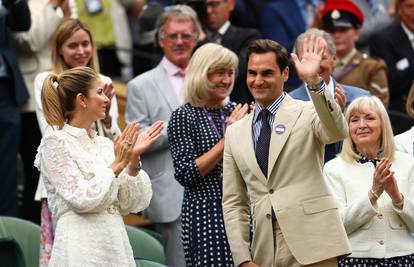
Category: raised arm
[329,125]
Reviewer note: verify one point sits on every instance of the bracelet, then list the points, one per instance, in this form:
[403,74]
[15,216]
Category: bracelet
[399,204]
[374,194]
[133,168]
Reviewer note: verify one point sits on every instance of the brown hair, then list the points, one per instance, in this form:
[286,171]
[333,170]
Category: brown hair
[263,46]
[65,30]
[60,90]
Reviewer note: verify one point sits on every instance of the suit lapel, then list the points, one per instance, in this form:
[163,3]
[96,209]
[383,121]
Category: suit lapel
[163,84]
[404,44]
[227,38]
[249,154]
[285,119]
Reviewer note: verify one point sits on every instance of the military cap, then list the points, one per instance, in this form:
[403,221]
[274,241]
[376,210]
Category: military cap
[341,14]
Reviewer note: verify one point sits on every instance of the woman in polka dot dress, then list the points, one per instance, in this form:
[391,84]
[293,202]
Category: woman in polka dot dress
[196,137]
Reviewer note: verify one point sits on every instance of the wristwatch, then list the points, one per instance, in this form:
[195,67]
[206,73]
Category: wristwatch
[315,87]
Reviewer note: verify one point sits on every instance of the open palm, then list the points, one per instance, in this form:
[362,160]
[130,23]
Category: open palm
[308,67]
[147,137]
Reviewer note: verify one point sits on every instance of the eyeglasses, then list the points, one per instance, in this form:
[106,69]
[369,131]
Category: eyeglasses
[185,36]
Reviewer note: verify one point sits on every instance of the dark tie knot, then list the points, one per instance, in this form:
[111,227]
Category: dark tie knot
[265,114]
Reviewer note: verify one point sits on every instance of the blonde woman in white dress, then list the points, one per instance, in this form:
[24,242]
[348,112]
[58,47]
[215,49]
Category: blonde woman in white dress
[90,181]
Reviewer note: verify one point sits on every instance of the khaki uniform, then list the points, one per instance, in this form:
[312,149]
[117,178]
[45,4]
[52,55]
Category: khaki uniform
[366,73]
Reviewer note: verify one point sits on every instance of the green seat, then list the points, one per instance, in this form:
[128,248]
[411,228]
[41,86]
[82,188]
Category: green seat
[147,263]
[152,233]
[145,246]
[27,236]
[10,253]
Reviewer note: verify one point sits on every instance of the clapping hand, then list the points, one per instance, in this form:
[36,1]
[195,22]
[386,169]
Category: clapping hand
[384,180]
[64,5]
[381,176]
[123,147]
[308,67]
[146,138]
[340,96]
[239,112]
[109,92]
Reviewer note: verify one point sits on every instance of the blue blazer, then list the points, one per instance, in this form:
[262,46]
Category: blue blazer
[351,93]
[282,21]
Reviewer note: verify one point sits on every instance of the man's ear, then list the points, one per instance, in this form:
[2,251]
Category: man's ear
[335,59]
[158,39]
[285,74]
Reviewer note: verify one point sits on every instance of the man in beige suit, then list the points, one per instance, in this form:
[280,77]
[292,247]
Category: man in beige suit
[276,177]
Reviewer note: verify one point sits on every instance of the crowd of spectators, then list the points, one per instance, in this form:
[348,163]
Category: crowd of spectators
[148,44]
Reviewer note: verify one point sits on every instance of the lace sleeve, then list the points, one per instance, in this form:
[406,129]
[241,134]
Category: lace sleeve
[84,192]
[134,192]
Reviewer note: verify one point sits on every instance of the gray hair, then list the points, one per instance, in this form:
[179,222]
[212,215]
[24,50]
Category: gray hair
[318,33]
[180,13]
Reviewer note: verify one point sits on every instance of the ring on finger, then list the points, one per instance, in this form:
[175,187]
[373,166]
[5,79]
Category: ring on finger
[128,142]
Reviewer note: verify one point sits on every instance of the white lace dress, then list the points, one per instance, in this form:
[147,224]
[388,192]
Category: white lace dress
[87,200]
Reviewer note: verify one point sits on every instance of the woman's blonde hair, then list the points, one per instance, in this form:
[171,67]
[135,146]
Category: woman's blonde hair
[369,104]
[59,93]
[410,102]
[207,59]
[65,30]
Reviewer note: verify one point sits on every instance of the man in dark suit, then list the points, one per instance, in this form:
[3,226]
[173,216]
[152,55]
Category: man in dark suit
[14,16]
[326,69]
[395,45]
[234,38]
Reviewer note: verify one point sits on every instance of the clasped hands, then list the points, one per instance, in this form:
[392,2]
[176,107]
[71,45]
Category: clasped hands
[384,180]
[129,146]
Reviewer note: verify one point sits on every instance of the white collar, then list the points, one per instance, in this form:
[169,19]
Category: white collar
[407,31]
[78,132]
[223,29]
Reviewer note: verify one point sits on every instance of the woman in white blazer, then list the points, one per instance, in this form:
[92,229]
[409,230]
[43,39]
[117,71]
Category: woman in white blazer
[375,187]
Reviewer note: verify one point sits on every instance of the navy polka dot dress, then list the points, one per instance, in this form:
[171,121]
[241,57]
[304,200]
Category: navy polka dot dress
[191,134]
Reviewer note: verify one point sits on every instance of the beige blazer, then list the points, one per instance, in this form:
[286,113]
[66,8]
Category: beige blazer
[305,209]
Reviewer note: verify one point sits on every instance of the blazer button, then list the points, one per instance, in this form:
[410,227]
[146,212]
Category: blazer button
[271,191]
[268,216]
[380,216]
[381,242]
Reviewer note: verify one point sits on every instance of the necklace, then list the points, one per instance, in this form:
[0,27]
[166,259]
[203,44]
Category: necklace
[219,135]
